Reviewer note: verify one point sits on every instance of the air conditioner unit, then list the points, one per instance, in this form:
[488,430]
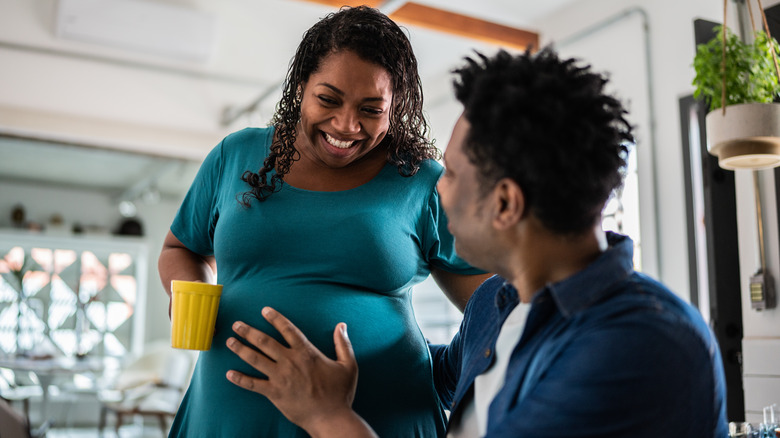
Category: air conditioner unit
[139,25]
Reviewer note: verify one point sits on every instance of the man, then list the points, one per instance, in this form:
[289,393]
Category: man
[603,352]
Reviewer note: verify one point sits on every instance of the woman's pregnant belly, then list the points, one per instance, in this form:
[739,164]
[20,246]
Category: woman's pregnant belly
[392,356]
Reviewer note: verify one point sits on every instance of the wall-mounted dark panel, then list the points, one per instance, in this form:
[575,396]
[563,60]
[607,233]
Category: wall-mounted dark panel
[723,276]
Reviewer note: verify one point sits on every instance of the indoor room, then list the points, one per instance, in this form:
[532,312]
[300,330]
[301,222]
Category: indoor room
[109,108]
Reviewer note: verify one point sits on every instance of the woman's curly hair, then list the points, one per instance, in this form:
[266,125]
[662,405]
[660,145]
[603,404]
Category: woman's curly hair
[375,38]
[547,124]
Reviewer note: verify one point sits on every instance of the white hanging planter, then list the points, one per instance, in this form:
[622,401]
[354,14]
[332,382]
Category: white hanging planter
[746,137]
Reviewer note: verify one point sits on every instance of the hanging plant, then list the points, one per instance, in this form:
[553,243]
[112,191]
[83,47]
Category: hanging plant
[743,80]
[750,75]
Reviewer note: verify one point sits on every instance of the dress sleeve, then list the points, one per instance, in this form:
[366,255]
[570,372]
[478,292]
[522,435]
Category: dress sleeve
[194,223]
[438,243]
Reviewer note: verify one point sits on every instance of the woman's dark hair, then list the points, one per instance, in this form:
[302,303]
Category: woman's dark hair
[547,124]
[375,38]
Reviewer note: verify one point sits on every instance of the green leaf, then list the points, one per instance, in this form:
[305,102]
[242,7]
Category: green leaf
[749,71]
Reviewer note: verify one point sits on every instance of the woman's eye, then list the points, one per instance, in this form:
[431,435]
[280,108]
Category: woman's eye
[373,111]
[327,100]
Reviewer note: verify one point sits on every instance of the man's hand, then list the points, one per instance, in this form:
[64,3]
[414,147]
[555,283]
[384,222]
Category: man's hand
[311,390]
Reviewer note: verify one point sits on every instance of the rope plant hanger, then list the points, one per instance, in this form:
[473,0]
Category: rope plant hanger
[745,133]
[770,41]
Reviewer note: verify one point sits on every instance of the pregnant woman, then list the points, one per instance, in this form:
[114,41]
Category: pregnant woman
[328,215]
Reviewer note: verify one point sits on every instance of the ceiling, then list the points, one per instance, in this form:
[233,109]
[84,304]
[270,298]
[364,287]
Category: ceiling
[258,39]
[119,174]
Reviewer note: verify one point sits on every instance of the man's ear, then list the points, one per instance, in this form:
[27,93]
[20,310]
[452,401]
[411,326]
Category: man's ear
[509,206]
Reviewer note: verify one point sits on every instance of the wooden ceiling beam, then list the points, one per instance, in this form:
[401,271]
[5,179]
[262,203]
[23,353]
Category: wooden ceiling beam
[340,3]
[457,24]
[440,20]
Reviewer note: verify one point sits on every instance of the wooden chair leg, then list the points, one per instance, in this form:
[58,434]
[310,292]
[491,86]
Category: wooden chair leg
[102,422]
[118,422]
[26,409]
[163,426]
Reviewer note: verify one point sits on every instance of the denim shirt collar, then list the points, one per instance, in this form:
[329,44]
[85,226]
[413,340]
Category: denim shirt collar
[611,267]
[506,299]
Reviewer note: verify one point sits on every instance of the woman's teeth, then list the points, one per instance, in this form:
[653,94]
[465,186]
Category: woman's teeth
[338,143]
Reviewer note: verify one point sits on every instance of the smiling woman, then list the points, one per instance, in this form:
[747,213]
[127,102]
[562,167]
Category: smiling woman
[344,119]
[338,225]
[367,34]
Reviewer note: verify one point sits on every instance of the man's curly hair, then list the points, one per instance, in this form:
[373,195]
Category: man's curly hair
[375,38]
[547,124]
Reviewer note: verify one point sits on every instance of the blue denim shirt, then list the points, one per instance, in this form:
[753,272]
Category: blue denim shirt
[607,352]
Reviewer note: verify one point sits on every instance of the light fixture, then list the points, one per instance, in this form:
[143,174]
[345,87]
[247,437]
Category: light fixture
[127,208]
[151,195]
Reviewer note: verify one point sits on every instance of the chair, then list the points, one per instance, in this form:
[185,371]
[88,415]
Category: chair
[152,385]
[16,387]
[12,423]
[15,425]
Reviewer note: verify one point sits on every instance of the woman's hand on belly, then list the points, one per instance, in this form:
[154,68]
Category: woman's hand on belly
[310,389]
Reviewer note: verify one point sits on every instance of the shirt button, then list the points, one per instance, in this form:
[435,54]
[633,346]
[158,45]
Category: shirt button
[487,353]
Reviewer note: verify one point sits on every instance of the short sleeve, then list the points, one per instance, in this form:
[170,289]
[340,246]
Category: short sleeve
[439,244]
[196,219]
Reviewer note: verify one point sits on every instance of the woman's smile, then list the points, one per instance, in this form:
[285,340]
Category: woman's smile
[341,144]
[339,148]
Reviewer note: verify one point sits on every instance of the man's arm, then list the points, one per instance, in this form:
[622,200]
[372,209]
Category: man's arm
[448,359]
[311,390]
[446,370]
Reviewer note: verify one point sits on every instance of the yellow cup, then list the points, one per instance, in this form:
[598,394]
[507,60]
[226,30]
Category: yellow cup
[193,314]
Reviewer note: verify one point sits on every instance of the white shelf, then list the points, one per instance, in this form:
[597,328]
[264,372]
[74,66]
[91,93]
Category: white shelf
[79,242]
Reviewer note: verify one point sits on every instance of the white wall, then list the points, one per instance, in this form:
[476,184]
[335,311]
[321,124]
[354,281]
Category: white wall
[761,329]
[672,51]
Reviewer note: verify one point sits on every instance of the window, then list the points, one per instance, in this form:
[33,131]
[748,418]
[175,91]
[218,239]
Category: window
[71,296]
[621,213]
[437,317]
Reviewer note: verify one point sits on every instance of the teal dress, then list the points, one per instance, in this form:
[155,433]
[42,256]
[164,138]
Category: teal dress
[319,258]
